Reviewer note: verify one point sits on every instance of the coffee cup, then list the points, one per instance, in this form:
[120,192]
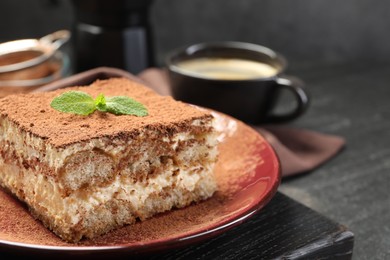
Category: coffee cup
[240,79]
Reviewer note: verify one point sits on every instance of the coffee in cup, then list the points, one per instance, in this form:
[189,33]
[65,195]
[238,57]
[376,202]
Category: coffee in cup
[226,68]
[240,79]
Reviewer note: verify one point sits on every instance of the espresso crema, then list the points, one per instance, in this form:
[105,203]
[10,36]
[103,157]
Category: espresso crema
[226,68]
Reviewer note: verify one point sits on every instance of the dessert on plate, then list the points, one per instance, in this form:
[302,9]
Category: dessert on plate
[84,175]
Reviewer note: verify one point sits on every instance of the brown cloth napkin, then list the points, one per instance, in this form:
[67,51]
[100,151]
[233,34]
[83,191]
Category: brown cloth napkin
[299,150]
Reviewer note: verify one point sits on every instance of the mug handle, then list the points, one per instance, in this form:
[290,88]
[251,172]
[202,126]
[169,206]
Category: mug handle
[296,87]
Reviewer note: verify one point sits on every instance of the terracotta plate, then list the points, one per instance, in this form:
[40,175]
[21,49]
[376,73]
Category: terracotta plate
[248,175]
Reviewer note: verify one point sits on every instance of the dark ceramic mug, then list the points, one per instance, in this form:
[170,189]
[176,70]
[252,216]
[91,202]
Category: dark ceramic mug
[250,97]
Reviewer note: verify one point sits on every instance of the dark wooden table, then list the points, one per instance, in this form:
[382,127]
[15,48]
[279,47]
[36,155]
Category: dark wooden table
[341,209]
[353,101]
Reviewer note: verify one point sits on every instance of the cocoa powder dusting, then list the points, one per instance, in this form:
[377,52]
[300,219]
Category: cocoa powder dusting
[233,167]
[61,129]
[18,225]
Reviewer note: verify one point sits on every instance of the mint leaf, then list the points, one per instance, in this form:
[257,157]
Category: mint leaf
[76,102]
[122,105]
[100,103]
[81,103]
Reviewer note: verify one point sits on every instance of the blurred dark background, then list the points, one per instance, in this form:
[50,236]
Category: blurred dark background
[302,30]
[337,47]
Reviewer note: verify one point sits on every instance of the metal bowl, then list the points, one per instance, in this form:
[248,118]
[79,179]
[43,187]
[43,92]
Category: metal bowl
[22,54]
[30,63]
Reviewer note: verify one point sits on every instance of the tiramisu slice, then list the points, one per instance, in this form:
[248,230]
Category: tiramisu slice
[83,176]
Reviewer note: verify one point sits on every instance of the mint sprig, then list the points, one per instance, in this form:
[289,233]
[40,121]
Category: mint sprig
[81,103]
